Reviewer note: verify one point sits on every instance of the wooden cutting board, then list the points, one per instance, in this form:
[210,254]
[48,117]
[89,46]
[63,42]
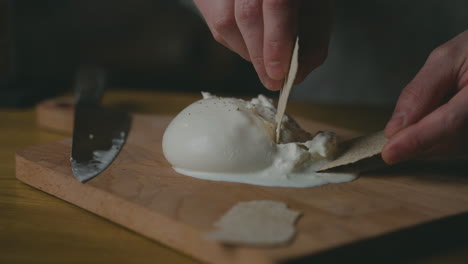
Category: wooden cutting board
[141,192]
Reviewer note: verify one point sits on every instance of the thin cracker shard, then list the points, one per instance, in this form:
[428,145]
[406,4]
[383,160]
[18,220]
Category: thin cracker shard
[287,87]
[256,223]
[357,149]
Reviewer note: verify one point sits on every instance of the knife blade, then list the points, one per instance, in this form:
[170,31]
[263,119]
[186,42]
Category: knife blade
[285,91]
[98,133]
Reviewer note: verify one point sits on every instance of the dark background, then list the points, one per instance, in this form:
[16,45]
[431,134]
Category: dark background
[142,44]
[376,48]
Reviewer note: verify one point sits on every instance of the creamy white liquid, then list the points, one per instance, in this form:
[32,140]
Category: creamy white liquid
[268,177]
[227,139]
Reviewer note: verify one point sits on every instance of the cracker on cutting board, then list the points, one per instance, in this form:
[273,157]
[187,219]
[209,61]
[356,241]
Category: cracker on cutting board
[256,223]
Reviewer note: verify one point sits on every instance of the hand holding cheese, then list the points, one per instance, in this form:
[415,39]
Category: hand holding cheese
[431,116]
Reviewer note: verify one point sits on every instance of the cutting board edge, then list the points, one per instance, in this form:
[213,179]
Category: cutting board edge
[190,236]
[56,115]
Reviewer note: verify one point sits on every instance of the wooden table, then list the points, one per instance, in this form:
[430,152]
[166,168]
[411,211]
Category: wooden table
[38,228]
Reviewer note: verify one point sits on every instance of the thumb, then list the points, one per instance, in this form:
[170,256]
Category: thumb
[425,92]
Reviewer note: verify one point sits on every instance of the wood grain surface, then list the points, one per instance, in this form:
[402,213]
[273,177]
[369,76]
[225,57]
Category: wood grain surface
[36,227]
[140,191]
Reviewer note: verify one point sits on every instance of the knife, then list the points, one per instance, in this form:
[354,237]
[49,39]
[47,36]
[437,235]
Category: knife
[287,86]
[98,133]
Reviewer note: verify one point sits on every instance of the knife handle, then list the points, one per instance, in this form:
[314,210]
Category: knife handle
[90,85]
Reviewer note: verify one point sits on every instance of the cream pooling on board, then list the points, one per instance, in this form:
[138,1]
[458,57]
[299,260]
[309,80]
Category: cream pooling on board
[228,139]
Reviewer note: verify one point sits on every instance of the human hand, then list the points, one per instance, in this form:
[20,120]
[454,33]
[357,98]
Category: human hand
[431,115]
[263,32]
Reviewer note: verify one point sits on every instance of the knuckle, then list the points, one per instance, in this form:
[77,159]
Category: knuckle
[218,37]
[440,53]
[276,4]
[273,49]
[411,98]
[454,121]
[275,45]
[224,24]
[248,10]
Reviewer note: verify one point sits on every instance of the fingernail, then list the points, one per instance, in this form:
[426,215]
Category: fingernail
[395,124]
[275,70]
